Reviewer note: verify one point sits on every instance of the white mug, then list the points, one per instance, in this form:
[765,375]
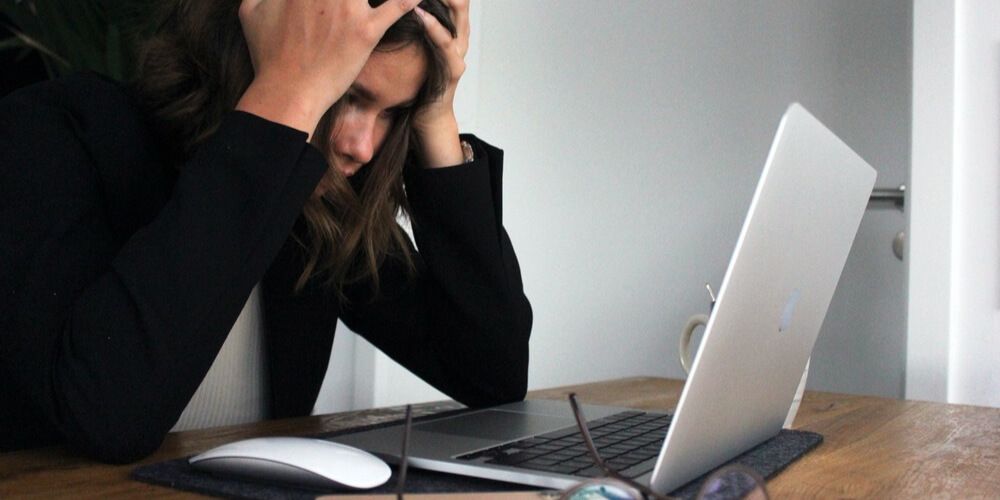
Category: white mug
[684,349]
[684,352]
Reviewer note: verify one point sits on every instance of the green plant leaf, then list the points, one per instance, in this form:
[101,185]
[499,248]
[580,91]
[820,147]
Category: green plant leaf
[47,54]
[68,30]
[75,35]
[21,16]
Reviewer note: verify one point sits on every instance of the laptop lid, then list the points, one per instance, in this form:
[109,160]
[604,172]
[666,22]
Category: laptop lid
[788,259]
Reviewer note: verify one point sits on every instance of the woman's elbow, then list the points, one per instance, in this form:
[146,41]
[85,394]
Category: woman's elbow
[503,380]
[514,384]
[115,440]
[119,448]
[498,393]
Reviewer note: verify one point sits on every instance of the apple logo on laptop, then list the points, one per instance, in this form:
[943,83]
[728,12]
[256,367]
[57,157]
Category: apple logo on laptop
[786,314]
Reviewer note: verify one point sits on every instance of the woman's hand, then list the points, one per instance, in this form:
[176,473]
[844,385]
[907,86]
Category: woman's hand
[435,123]
[306,53]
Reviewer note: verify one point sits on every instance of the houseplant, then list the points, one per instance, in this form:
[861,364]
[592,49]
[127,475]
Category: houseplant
[78,35]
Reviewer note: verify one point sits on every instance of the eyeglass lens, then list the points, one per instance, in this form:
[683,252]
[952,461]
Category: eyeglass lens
[730,483]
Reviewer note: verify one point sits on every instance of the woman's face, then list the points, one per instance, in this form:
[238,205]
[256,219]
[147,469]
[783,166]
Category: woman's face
[387,85]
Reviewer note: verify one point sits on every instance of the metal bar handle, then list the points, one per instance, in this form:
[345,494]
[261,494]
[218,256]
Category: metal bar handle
[896,196]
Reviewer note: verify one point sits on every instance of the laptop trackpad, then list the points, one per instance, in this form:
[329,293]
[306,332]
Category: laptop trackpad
[494,424]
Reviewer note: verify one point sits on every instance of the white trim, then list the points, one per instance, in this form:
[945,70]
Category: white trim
[930,200]
[974,343]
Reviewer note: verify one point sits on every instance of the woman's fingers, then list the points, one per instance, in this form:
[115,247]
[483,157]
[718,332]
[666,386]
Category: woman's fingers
[453,48]
[389,12]
[459,12]
[435,30]
[435,123]
[460,16]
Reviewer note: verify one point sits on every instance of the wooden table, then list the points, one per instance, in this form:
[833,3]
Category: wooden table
[874,447]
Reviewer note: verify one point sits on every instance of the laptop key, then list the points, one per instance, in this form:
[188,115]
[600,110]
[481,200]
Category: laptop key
[615,450]
[592,471]
[547,447]
[544,460]
[629,414]
[578,463]
[648,439]
[531,442]
[639,468]
[565,441]
[536,465]
[562,469]
[605,441]
[623,462]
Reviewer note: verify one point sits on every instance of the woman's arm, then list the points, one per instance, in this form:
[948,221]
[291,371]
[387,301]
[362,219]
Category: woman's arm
[107,329]
[107,335]
[463,323]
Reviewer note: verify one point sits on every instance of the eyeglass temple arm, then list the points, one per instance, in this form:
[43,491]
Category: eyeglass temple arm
[587,440]
[404,455]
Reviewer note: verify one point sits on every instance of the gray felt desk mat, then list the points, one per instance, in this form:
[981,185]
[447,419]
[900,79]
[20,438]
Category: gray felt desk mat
[768,459]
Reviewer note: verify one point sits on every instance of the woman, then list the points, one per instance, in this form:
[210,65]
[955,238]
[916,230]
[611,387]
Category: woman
[264,142]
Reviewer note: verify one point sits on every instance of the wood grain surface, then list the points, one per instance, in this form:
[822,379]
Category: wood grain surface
[873,448]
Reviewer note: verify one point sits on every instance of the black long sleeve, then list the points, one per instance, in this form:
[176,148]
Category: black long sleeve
[107,329]
[463,324]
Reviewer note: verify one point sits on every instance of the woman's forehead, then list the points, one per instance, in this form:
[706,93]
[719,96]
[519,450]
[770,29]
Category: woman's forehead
[391,78]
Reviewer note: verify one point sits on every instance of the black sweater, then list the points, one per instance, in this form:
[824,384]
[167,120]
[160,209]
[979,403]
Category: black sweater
[121,274]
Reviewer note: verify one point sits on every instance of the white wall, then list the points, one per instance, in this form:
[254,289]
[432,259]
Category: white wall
[634,134]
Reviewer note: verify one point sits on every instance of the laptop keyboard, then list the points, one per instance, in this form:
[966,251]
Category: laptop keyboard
[627,441]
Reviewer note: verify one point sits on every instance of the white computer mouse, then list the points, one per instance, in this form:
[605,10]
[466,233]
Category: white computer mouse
[296,460]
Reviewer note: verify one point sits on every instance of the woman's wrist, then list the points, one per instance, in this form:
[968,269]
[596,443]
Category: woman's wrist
[281,105]
[440,144]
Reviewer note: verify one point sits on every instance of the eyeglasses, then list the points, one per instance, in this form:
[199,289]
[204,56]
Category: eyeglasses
[729,482]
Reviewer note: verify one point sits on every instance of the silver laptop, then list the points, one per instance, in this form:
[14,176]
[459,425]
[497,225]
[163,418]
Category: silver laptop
[772,302]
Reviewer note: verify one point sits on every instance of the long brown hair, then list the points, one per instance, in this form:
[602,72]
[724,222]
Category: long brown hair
[196,66]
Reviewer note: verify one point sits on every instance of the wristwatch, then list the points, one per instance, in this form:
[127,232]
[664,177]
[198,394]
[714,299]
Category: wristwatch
[467,154]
